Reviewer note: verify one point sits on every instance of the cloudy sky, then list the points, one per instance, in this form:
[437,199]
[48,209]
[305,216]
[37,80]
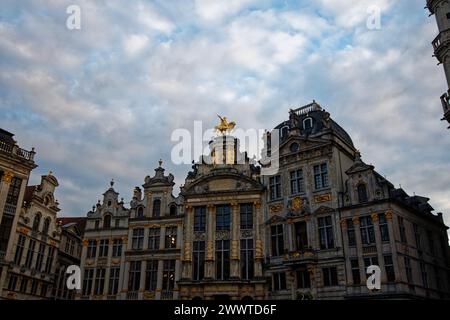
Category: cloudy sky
[101,102]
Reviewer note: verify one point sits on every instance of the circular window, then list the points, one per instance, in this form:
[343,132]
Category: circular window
[294,147]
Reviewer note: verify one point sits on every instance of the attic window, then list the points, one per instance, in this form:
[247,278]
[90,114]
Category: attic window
[448,15]
[294,147]
[109,203]
[308,123]
[362,193]
[284,132]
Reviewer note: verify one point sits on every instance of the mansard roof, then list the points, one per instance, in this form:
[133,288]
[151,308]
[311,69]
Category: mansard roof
[321,123]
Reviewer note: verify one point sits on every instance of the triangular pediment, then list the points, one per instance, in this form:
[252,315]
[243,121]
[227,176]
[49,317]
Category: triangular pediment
[323,209]
[275,219]
[304,143]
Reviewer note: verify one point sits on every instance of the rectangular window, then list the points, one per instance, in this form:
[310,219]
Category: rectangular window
[12,284]
[321,176]
[351,233]
[30,253]
[367,230]
[326,233]
[279,281]
[330,277]
[134,278]
[24,285]
[137,241]
[153,238]
[423,272]
[370,261]
[171,237]
[417,236]
[246,216]
[92,249]
[44,289]
[402,230]
[34,287]
[303,279]
[19,249]
[246,261]
[277,240]
[356,274]
[301,235]
[384,229]
[168,282]
[49,261]
[40,257]
[223,217]
[87,281]
[103,248]
[275,187]
[222,259]
[389,268]
[200,219]
[198,255]
[297,184]
[99,281]
[408,269]
[114,276]
[151,275]
[117,248]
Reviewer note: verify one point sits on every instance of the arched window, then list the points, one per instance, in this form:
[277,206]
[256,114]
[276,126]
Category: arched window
[308,123]
[140,212]
[284,132]
[46,226]
[36,222]
[173,210]
[46,200]
[107,222]
[156,208]
[362,193]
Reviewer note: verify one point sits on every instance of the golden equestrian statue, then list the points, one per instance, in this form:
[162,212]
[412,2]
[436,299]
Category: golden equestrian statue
[224,126]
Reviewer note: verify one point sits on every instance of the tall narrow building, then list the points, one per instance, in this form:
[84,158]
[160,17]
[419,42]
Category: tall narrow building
[441,45]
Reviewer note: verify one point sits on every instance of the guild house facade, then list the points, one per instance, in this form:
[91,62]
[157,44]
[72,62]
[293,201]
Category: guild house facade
[307,232]
[30,234]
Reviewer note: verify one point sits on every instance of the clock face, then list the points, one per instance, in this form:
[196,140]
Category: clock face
[294,147]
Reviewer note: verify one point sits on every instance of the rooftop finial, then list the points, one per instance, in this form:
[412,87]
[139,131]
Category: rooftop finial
[224,126]
[160,163]
[50,173]
[112,183]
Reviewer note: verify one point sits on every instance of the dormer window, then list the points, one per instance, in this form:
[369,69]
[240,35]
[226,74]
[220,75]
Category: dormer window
[156,208]
[46,226]
[173,210]
[362,193]
[107,222]
[140,212]
[308,123]
[36,222]
[109,203]
[284,132]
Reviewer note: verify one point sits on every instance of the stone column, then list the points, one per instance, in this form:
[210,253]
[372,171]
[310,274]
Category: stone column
[148,204]
[4,188]
[345,247]
[159,280]
[290,238]
[210,236]
[235,230]
[390,221]
[176,291]
[162,239]
[142,280]
[186,253]
[359,248]
[379,243]
[258,229]
[125,277]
